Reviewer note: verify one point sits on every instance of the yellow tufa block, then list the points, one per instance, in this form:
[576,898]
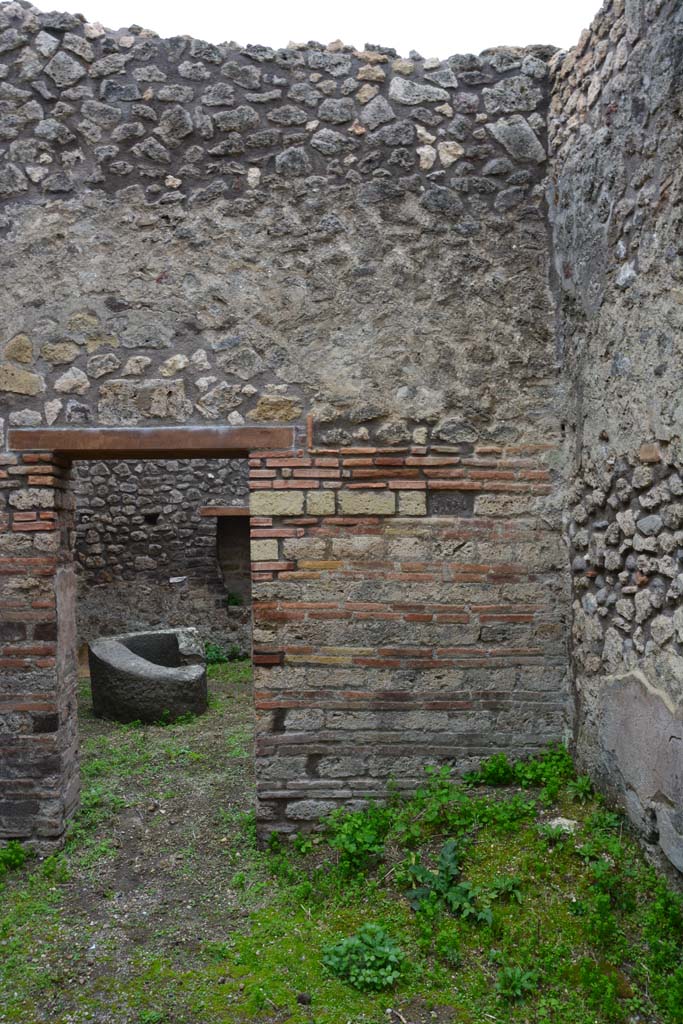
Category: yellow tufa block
[276,503]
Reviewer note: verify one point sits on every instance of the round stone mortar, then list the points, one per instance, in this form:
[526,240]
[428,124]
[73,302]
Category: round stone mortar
[148,677]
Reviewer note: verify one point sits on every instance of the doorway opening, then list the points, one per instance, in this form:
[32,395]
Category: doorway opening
[152,550]
[45,764]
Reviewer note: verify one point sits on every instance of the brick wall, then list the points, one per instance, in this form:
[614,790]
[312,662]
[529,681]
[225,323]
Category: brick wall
[38,743]
[388,636]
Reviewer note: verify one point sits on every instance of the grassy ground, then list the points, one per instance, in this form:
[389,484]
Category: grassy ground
[161,909]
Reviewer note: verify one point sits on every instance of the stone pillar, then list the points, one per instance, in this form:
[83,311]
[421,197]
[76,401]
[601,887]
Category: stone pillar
[38,727]
[409,609]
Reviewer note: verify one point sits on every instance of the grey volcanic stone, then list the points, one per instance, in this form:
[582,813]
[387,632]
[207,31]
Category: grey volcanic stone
[400,134]
[237,120]
[122,92]
[288,115]
[64,70]
[328,142]
[102,114]
[247,77]
[11,40]
[222,94]
[12,180]
[377,112]
[153,150]
[337,111]
[293,162]
[148,677]
[304,93]
[518,138]
[174,125]
[517,93]
[112,64]
[650,525]
[403,90]
[175,93]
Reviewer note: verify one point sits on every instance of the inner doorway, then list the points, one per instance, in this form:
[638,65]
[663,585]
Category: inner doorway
[51,773]
[152,550]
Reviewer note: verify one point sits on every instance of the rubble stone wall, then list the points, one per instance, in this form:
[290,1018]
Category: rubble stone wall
[616,189]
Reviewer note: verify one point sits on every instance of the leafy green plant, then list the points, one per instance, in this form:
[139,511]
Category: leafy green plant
[603,987]
[505,815]
[515,983]
[151,1017]
[550,770]
[214,654]
[358,836]
[470,902]
[602,822]
[441,887]
[303,843]
[669,994]
[233,600]
[493,771]
[13,855]
[553,834]
[506,887]
[663,928]
[217,951]
[581,789]
[369,960]
[436,884]
[447,946]
[600,921]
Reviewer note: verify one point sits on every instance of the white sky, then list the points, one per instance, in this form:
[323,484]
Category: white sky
[436,29]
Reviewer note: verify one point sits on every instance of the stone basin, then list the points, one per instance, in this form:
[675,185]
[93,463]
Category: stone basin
[148,677]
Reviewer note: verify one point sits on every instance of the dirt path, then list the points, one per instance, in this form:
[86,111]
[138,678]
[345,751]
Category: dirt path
[156,865]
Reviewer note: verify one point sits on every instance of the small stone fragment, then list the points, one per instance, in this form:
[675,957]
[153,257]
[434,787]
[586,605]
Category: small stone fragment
[518,138]
[278,408]
[449,152]
[59,352]
[100,365]
[378,111]
[293,162]
[19,349]
[405,91]
[74,381]
[64,70]
[650,525]
[19,381]
[173,365]
[662,629]
[135,366]
[427,155]
[336,111]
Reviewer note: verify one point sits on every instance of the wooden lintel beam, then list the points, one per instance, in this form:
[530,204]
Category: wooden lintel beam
[220,511]
[150,442]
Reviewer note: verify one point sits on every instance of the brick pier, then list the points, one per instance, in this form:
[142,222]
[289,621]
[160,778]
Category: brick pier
[407,610]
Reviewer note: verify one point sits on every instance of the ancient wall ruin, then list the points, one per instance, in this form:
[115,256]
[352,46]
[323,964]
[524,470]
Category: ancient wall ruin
[349,242]
[358,246]
[616,134]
